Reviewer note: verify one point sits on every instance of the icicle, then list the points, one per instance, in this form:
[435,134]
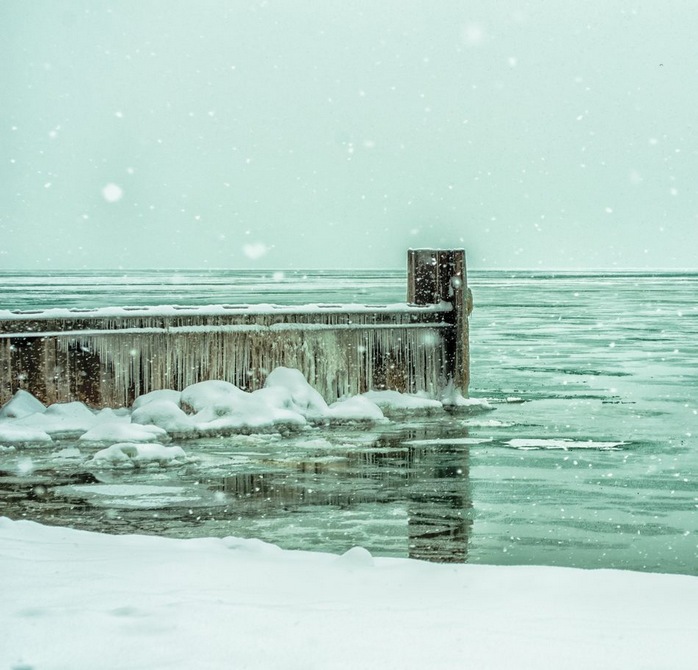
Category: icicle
[341,353]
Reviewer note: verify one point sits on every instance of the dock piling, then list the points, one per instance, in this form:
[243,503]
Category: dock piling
[437,276]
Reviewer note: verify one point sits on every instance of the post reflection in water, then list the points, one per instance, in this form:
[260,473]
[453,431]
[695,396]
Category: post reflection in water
[440,521]
[429,482]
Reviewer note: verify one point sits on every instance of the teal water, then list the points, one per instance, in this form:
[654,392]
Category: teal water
[589,459]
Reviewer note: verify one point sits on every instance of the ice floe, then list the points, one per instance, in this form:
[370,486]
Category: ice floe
[135,455]
[123,432]
[561,443]
[449,440]
[393,401]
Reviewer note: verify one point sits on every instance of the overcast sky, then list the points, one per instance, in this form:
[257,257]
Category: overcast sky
[339,133]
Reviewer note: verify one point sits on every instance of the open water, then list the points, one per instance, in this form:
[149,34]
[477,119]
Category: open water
[590,458]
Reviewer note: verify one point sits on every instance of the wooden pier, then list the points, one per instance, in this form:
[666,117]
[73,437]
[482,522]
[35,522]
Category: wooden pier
[106,357]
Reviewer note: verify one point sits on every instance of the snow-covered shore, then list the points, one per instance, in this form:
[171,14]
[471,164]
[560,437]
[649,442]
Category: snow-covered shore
[73,600]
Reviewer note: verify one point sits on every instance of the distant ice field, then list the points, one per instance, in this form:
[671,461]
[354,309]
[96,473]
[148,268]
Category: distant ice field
[590,458]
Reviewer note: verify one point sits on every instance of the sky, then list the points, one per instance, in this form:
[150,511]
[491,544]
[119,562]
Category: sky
[339,133]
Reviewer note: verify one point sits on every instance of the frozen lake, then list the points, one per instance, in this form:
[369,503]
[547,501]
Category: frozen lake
[589,459]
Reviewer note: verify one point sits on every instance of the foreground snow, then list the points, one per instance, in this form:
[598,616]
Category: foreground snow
[76,600]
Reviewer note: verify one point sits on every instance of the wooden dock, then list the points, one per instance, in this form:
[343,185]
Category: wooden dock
[106,357]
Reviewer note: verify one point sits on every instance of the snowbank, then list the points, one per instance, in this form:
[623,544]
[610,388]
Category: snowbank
[83,600]
[209,408]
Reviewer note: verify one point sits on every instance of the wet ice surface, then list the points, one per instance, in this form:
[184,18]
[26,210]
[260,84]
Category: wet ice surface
[589,459]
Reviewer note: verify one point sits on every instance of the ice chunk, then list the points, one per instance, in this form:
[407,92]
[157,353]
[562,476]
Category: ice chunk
[488,423]
[453,398]
[68,453]
[449,440]
[562,443]
[135,455]
[123,432]
[21,404]
[396,401]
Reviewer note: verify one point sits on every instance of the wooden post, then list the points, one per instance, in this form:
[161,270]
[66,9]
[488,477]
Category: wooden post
[434,276]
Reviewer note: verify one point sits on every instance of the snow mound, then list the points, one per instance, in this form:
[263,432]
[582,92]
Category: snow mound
[62,419]
[135,455]
[218,396]
[165,414]
[357,408]
[21,404]
[222,408]
[304,398]
[153,396]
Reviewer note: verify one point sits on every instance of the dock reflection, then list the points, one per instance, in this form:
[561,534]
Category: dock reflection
[429,482]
